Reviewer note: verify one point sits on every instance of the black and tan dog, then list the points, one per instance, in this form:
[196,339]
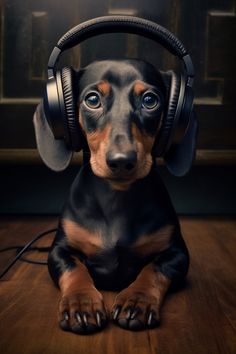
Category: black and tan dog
[118,230]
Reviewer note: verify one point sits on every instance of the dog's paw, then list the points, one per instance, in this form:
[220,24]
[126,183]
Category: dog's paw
[136,309]
[82,312]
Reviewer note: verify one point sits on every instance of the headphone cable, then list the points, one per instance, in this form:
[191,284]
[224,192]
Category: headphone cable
[23,250]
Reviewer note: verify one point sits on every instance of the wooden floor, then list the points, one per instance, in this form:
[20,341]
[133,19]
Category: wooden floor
[198,319]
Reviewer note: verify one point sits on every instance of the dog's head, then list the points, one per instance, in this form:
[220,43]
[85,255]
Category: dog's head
[121,105]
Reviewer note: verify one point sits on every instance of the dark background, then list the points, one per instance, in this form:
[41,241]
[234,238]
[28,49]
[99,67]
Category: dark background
[30,29]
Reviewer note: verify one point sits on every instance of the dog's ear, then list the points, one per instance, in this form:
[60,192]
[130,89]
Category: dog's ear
[53,152]
[180,157]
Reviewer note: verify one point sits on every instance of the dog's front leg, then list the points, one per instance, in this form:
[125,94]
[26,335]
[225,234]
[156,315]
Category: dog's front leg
[81,307]
[138,306]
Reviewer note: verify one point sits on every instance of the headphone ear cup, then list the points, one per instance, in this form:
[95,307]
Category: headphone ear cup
[74,134]
[52,108]
[172,82]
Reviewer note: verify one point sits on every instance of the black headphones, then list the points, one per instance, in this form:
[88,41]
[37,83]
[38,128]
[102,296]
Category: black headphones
[60,101]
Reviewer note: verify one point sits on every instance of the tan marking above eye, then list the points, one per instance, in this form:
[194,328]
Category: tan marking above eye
[82,239]
[104,88]
[155,242]
[139,87]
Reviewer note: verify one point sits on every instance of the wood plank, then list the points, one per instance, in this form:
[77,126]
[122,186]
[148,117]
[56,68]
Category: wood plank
[201,318]
[203,157]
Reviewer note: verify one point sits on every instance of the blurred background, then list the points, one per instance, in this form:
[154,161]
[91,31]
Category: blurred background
[29,31]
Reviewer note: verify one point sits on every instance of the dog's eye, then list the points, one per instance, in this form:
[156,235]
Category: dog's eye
[150,100]
[92,100]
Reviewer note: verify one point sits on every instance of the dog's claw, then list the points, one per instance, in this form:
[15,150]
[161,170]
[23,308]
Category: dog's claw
[78,317]
[153,319]
[134,313]
[129,314]
[150,318]
[116,312]
[66,316]
[98,319]
[85,319]
[64,323]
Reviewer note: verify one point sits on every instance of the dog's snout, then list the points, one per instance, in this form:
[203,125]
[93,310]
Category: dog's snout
[121,162]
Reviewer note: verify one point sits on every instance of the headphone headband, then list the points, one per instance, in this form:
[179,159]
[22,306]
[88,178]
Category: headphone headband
[122,24]
[60,98]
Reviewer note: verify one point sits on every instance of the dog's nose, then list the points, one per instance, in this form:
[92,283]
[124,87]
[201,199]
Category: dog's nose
[121,162]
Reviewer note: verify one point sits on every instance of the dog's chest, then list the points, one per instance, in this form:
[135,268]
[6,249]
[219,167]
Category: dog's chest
[111,241]
[104,238]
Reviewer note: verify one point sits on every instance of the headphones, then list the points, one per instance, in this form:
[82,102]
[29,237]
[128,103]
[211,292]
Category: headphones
[60,101]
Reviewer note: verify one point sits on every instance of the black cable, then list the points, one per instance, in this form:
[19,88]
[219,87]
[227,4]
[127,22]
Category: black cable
[19,248]
[10,248]
[32,261]
[23,250]
[30,249]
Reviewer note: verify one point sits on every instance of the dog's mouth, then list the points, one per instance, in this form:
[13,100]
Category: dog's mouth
[121,181]
[121,178]
[121,184]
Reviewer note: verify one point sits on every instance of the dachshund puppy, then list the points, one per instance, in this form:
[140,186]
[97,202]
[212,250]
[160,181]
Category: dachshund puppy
[118,230]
